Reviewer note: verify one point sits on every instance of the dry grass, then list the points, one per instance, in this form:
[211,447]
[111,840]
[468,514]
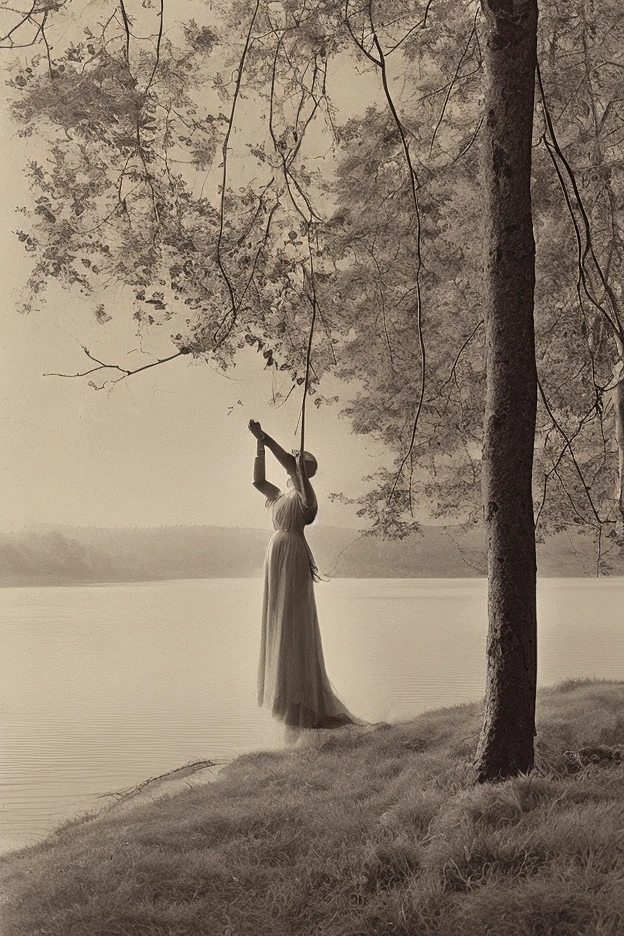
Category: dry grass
[375,833]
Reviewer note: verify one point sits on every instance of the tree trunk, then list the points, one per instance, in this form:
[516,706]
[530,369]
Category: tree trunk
[506,743]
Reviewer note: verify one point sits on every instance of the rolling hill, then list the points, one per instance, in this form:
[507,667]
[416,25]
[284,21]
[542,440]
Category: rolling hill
[81,555]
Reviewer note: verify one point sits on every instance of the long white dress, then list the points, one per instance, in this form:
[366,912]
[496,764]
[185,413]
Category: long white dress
[292,680]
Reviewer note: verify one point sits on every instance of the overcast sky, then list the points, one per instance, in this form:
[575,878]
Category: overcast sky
[169,446]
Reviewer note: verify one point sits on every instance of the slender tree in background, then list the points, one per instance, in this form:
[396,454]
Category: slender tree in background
[506,744]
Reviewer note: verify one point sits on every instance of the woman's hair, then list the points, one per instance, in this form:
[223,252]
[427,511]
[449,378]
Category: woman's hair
[309,459]
[310,462]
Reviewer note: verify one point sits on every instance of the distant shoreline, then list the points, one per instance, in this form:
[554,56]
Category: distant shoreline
[364,578]
[65,556]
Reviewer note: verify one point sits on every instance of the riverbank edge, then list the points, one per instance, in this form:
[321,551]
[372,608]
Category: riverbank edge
[381,831]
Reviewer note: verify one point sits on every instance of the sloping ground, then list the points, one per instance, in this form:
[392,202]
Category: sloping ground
[372,832]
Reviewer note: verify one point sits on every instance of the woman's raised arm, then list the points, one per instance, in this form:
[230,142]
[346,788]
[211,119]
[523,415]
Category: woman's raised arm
[286,460]
[270,491]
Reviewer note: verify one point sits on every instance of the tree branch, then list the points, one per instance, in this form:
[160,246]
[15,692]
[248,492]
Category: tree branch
[306,383]
[414,185]
[126,26]
[158,45]
[233,311]
[568,447]
[584,241]
[125,372]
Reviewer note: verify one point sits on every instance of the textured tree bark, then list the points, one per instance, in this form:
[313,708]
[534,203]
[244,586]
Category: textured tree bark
[507,737]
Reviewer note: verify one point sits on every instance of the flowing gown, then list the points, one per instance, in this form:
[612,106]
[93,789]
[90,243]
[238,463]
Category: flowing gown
[292,680]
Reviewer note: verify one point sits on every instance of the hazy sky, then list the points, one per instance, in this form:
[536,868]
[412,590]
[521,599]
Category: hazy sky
[169,446]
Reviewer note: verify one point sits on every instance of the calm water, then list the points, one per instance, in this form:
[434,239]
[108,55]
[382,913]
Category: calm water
[104,686]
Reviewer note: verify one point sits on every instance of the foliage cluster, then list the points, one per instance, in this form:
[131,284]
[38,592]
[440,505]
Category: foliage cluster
[229,172]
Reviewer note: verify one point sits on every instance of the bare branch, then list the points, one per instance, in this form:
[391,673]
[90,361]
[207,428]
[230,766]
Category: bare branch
[568,448]
[29,18]
[359,43]
[233,311]
[125,372]
[26,18]
[126,25]
[414,186]
[583,234]
[158,45]
[306,384]
[287,159]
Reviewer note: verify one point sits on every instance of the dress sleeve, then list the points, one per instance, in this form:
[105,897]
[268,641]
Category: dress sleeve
[309,512]
[272,496]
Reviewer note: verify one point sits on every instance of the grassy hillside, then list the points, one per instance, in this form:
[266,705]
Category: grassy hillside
[371,833]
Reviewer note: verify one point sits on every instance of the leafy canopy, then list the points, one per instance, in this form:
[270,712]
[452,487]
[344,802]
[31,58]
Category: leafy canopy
[265,164]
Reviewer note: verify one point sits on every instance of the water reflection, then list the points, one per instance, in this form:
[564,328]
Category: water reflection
[104,686]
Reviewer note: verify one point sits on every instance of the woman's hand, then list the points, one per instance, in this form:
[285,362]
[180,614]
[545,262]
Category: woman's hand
[256,429]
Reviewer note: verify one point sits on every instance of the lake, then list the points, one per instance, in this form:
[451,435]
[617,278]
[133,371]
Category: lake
[104,686]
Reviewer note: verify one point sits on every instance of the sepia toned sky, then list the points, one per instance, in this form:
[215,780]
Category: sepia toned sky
[169,446]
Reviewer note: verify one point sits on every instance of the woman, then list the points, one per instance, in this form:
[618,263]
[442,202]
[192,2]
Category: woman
[291,678]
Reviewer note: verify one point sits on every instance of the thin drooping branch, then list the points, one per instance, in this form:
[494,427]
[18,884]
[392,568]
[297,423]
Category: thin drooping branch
[125,372]
[306,383]
[126,26]
[592,287]
[161,16]
[28,18]
[232,312]
[569,449]
[355,540]
[279,150]
[260,250]
[358,42]
[148,177]
[382,300]
[554,468]
[470,142]
[414,185]
[287,158]
[476,568]
[574,200]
